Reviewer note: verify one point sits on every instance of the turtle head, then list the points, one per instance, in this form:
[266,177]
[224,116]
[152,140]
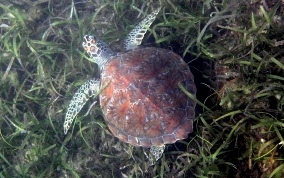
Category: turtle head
[97,50]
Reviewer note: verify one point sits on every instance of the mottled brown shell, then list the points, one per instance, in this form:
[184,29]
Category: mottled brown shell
[142,103]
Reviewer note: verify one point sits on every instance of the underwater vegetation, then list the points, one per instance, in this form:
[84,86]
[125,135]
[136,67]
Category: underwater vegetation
[234,49]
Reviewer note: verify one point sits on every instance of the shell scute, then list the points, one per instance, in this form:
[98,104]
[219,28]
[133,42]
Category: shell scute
[183,129]
[168,138]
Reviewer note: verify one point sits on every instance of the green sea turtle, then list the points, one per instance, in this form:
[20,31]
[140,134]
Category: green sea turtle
[139,95]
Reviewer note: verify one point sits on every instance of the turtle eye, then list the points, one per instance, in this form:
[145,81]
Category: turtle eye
[85,46]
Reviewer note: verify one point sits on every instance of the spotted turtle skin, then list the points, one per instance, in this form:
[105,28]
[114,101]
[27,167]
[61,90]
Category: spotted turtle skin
[142,102]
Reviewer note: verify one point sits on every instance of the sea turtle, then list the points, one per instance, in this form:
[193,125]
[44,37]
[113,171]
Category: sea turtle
[141,101]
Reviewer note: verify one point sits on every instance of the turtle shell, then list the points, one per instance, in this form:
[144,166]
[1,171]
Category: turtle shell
[142,102]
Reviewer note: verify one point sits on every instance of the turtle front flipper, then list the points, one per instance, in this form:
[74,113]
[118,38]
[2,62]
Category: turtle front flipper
[136,36]
[87,90]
